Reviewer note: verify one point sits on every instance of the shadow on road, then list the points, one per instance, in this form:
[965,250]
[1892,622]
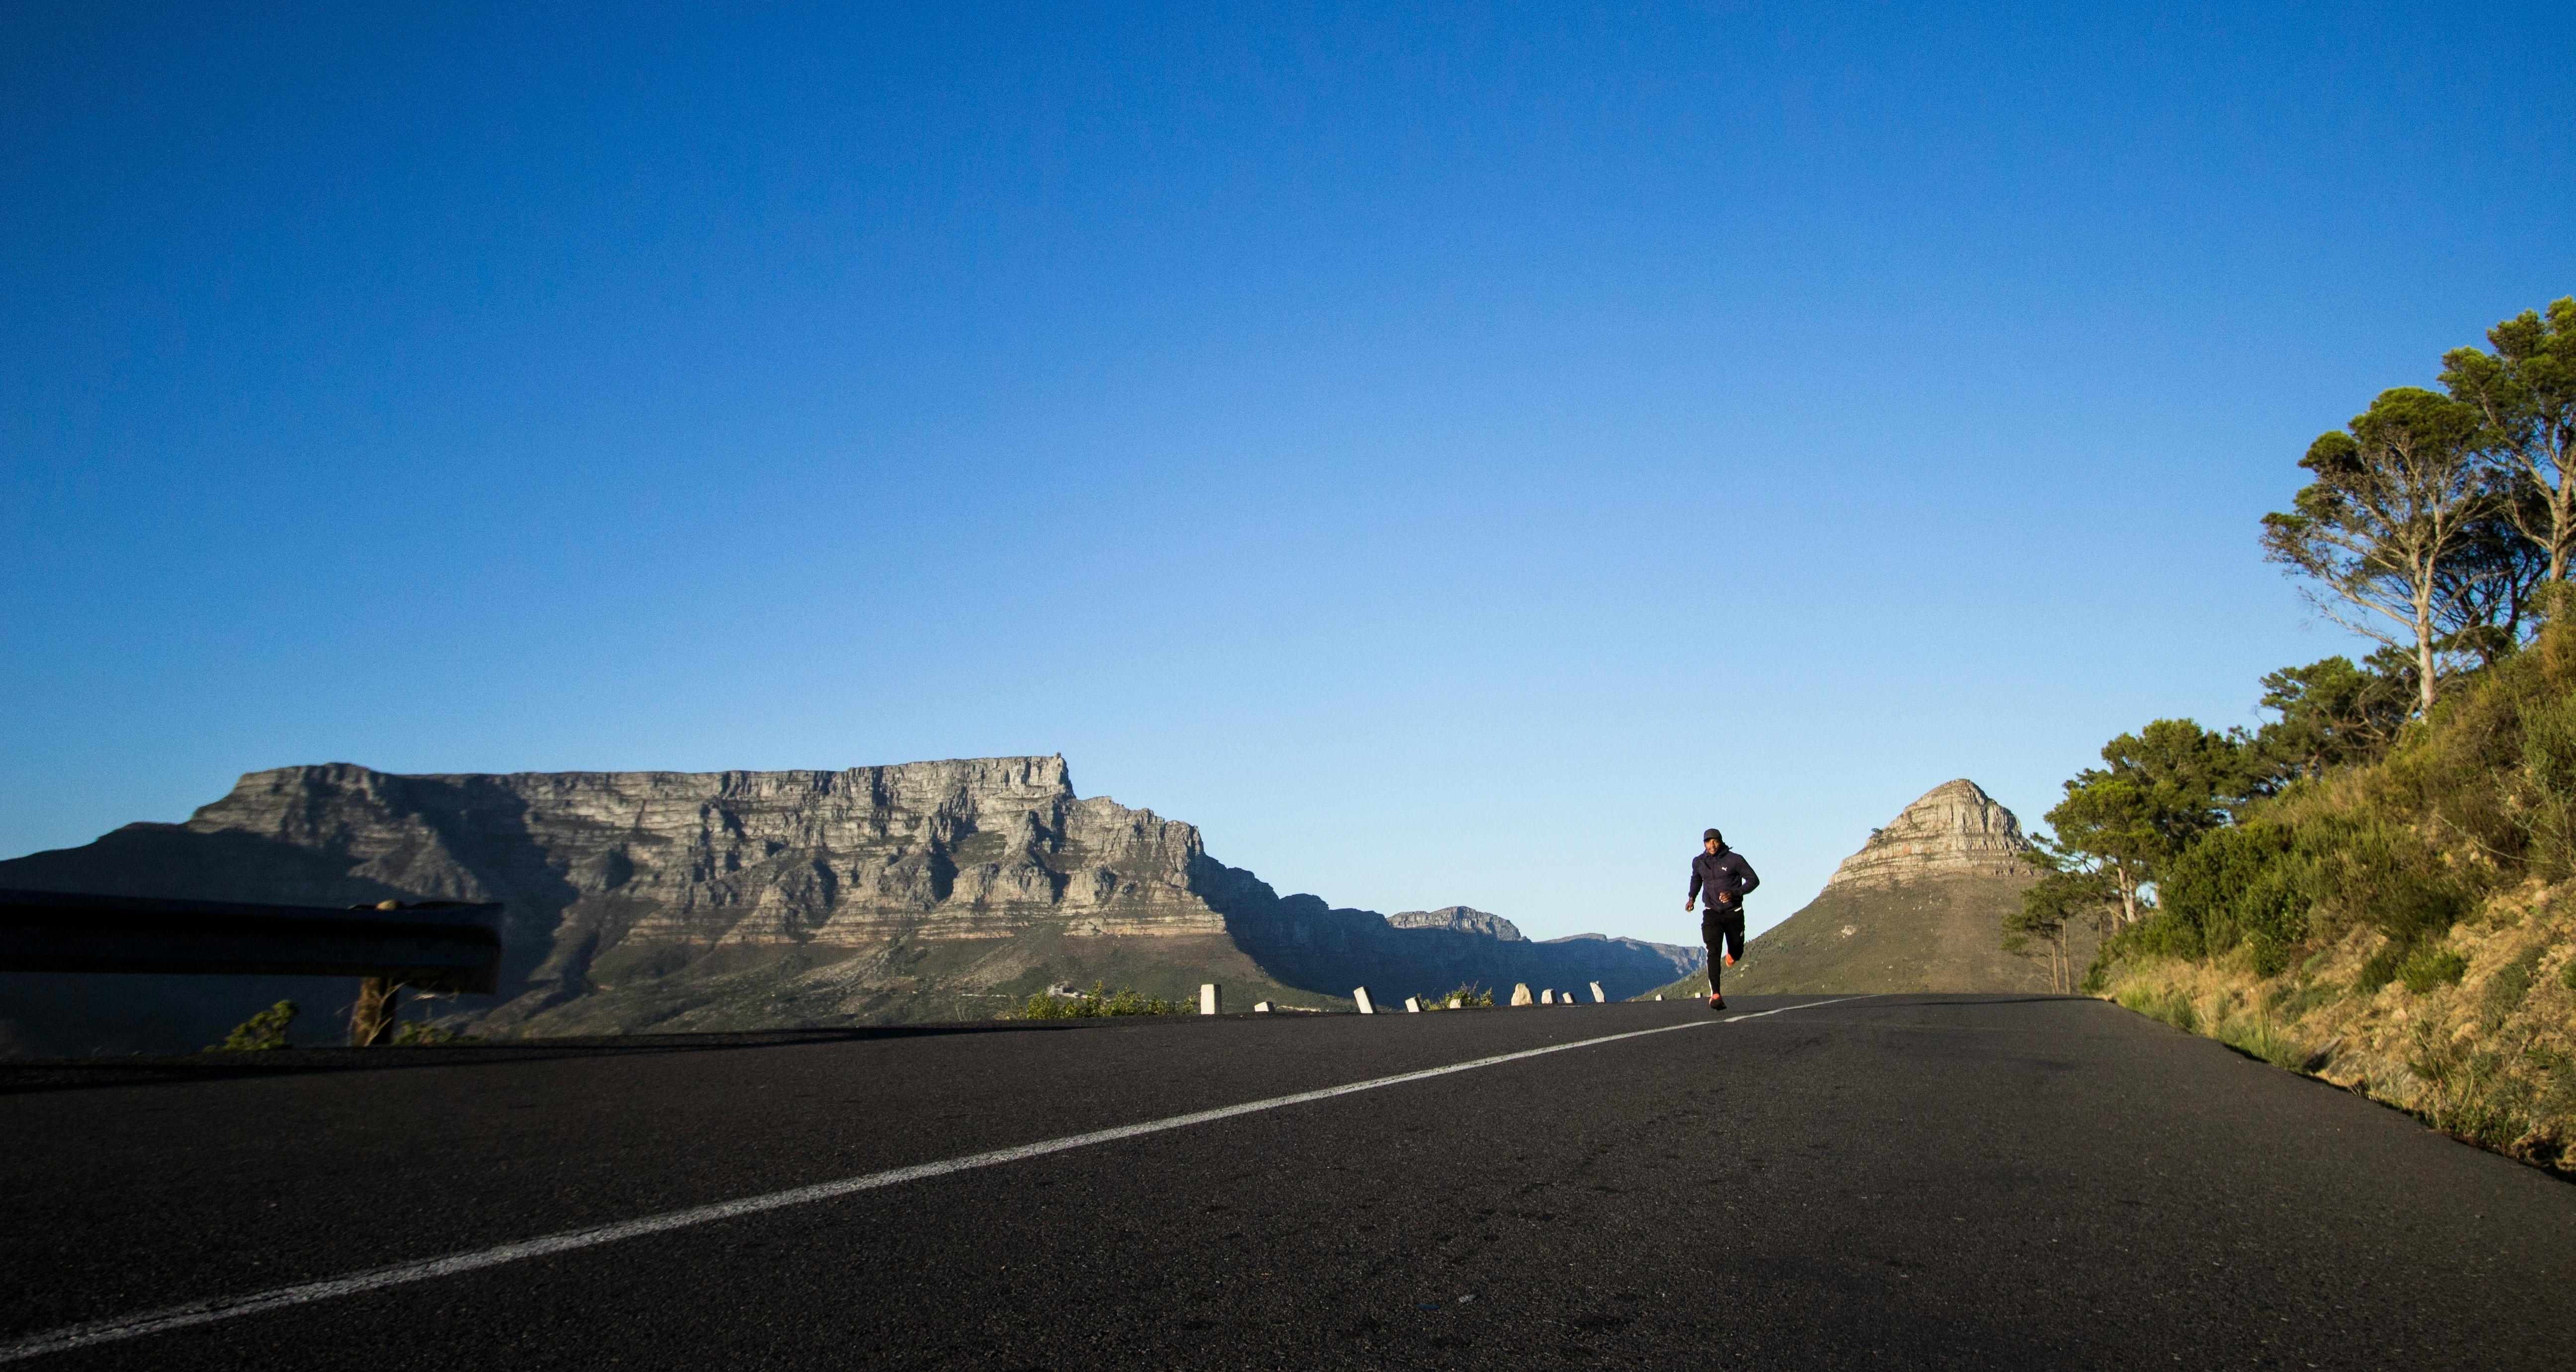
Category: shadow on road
[64,1074]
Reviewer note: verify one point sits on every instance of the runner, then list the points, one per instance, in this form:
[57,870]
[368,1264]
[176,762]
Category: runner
[1727,878]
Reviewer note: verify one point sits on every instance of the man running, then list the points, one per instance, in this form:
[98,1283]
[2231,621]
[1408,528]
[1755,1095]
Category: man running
[1727,878]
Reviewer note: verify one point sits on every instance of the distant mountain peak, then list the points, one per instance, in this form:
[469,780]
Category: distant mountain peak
[1459,918]
[1953,828]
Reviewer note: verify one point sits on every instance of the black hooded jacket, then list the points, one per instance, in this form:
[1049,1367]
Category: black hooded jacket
[1723,873]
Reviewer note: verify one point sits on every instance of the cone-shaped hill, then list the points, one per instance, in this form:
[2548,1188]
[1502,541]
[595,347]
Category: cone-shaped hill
[1919,908]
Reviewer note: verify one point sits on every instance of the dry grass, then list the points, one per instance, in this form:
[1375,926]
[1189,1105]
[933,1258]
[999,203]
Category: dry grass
[2475,1033]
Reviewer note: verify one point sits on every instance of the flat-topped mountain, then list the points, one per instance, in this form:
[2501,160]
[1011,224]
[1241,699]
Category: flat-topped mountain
[1919,908]
[672,900]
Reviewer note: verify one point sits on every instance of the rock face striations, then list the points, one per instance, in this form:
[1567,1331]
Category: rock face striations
[927,890]
[1919,908]
[1457,919]
[1955,829]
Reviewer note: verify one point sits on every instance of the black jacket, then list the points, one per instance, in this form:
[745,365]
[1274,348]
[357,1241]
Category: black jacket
[1723,873]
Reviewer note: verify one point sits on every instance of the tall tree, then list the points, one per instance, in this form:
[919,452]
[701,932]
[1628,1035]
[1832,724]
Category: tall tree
[2161,788]
[2395,498]
[2041,925]
[2525,392]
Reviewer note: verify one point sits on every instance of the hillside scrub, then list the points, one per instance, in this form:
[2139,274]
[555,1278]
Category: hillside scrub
[2373,887]
[2485,1052]
[2403,925]
[1100,1003]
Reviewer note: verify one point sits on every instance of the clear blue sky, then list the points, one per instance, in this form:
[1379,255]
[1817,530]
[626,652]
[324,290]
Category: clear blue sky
[1450,457]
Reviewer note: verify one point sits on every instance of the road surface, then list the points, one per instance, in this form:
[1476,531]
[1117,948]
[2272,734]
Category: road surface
[1888,1181]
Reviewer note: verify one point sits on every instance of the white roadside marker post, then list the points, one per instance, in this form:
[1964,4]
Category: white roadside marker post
[1413,1005]
[1453,1002]
[1366,1006]
[1547,997]
[1520,993]
[1597,997]
[1209,998]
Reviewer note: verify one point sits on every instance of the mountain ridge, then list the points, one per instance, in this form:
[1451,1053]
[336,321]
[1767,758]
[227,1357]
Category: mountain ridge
[746,899]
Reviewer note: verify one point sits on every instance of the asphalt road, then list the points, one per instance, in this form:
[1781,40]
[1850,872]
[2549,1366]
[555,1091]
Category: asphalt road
[1894,1181]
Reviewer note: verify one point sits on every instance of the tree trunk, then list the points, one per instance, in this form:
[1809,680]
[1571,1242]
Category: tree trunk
[2562,528]
[2424,649]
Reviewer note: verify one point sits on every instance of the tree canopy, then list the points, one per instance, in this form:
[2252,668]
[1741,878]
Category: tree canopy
[2525,394]
[2396,501]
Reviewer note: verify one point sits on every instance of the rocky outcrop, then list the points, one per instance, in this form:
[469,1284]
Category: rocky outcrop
[751,899]
[1955,828]
[1457,919]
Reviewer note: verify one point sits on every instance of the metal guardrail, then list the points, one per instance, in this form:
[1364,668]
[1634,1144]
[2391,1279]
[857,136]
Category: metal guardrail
[432,945]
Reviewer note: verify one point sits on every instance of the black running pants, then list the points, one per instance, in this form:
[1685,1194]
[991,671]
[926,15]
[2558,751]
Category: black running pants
[1723,932]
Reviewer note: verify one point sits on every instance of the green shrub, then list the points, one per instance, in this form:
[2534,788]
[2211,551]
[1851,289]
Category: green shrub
[260,1032]
[2371,868]
[421,1033]
[2567,975]
[1468,995]
[2241,885]
[2430,967]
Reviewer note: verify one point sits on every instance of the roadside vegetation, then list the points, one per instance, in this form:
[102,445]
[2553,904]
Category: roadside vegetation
[260,1032]
[2378,886]
[1468,996]
[1100,1003]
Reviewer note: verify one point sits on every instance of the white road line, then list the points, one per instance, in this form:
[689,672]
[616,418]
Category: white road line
[231,1307]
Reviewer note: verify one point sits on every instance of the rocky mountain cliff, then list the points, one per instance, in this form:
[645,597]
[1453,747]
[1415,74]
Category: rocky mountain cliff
[927,890]
[1457,919]
[1955,828]
[1919,908]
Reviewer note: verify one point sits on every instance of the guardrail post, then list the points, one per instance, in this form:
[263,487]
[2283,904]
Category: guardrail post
[1597,997]
[1208,998]
[1367,1007]
[1520,993]
[1413,1005]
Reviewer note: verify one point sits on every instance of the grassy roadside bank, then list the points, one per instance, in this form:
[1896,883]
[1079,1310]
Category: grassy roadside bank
[2474,1033]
